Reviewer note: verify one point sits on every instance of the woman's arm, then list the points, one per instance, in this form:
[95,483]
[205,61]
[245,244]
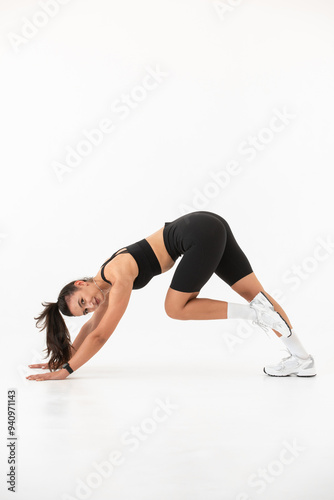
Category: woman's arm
[85,330]
[89,326]
[119,297]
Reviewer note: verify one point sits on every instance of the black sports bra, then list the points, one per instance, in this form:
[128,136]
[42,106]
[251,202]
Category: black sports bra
[146,259]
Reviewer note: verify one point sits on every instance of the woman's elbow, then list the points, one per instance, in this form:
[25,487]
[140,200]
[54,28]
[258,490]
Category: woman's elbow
[99,337]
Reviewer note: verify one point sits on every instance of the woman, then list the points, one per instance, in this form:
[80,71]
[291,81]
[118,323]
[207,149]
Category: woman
[207,245]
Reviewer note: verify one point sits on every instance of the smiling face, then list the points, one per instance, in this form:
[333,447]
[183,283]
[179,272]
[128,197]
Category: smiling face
[86,300]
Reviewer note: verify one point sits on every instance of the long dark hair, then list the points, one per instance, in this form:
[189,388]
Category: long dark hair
[58,338]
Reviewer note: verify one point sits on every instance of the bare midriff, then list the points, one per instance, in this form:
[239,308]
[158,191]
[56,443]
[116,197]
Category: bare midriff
[126,265]
[156,241]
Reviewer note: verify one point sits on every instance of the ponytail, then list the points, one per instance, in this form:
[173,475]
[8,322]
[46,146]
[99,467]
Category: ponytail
[58,338]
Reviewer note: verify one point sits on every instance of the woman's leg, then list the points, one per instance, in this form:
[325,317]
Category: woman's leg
[180,305]
[204,239]
[233,268]
[210,248]
[217,252]
[249,286]
[236,270]
[185,306]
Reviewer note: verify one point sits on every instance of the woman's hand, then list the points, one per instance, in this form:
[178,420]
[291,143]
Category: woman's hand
[57,375]
[40,365]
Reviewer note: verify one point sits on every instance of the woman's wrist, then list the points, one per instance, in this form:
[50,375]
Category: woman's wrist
[63,373]
[68,368]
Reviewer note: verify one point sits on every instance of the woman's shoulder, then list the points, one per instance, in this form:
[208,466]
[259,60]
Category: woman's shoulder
[122,267]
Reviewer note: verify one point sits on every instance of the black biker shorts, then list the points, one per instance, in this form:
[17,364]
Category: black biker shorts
[208,246]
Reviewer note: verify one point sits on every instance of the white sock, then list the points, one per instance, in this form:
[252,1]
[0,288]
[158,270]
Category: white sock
[240,311]
[294,345]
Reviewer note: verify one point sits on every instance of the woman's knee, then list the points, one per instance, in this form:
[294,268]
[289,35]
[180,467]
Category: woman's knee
[175,302]
[173,311]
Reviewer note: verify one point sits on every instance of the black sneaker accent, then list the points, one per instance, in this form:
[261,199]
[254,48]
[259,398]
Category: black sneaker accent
[279,315]
[267,298]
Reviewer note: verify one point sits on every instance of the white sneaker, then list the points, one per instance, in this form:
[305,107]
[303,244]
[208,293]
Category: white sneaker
[292,365]
[267,317]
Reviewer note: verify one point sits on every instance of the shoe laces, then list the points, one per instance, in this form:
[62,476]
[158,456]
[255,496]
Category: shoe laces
[258,322]
[264,327]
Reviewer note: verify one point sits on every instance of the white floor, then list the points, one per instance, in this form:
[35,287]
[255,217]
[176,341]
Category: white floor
[182,427]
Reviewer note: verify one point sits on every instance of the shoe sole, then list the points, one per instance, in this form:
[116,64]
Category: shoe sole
[270,375]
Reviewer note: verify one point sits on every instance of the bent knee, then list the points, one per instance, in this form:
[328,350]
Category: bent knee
[173,312]
[176,301]
[174,309]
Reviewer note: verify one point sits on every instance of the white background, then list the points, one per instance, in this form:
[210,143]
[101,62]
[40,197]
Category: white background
[228,71]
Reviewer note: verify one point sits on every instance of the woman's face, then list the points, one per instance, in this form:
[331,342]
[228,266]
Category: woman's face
[86,300]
